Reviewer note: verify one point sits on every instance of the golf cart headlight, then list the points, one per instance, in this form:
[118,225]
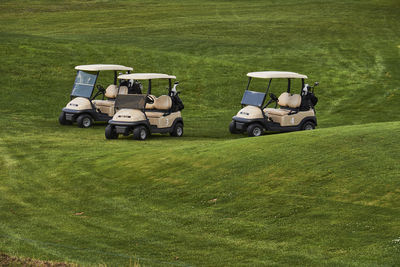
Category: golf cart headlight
[72,104]
[124,116]
[244,113]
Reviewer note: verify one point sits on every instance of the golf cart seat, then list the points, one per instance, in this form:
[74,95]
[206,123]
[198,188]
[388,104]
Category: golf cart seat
[276,111]
[161,105]
[287,102]
[123,90]
[163,102]
[107,106]
[111,93]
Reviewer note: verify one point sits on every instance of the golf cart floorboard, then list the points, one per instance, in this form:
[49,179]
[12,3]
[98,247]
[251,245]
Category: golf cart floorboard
[154,129]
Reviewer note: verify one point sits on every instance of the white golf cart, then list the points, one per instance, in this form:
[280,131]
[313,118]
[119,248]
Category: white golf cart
[143,114]
[83,107]
[296,111]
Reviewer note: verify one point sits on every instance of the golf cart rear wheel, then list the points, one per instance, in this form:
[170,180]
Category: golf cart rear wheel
[232,128]
[62,119]
[309,125]
[110,132]
[178,130]
[140,133]
[84,121]
[254,130]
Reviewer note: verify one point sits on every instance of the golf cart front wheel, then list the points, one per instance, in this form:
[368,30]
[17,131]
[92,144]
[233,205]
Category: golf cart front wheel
[178,130]
[309,125]
[254,130]
[140,133]
[62,120]
[84,121]
[110,132]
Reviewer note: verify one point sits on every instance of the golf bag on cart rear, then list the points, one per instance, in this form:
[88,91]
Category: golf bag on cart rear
[308,98]
[177,103]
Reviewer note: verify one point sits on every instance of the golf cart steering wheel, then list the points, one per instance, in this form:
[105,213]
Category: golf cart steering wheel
[273,97]
[100,88]
[150,99]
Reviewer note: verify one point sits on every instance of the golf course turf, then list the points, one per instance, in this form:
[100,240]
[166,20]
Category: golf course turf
[324,197]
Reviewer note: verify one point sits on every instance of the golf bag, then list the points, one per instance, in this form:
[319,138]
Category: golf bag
[135,88]
[177,103]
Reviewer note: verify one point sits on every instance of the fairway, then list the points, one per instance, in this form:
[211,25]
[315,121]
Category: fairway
[325,197]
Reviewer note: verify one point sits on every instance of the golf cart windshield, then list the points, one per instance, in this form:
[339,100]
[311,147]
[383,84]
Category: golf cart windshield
[253,98]
[130,101]
[84,83]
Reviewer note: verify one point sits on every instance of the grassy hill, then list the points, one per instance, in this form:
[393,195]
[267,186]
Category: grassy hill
[327,197]
[307,198]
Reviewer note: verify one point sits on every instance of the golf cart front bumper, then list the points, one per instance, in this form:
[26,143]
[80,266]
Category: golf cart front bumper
[242,123]
[240,126]
[124,127]
[72,114]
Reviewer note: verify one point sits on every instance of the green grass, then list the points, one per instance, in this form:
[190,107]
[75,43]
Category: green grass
[327,197]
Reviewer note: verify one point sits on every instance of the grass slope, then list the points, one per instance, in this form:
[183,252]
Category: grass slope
[278,200]
[326,197]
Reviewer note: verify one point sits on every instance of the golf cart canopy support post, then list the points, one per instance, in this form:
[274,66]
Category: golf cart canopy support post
[269,85]
[249,81]
[248,84]
[149,88]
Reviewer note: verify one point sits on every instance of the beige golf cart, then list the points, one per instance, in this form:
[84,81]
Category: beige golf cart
[143,114]
[296,111]
[83,107]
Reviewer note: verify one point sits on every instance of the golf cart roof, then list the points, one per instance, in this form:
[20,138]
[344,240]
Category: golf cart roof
[276,74]
[99,67]
[145,76]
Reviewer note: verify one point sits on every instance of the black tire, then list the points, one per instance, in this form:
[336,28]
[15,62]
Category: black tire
[140,133]
[232,128]
[178,130]
[110,132]
[62,120]
[255,129]
[84,121]
[308,125]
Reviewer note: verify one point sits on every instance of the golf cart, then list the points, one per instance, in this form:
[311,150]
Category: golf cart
[83,107]
[143,114]
[296,111]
